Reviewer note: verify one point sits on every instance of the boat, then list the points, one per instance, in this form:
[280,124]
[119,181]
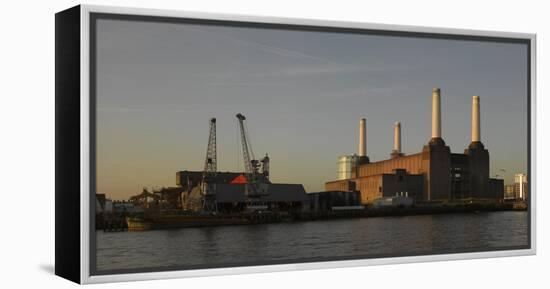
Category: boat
[172,221]
[138,224]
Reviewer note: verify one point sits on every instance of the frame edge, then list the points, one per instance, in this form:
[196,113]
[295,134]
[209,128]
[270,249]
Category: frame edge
[87,278]
[67,143]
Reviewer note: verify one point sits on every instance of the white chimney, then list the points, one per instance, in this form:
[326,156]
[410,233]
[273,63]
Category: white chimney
[475,119]
[436,113]
[363,137]
[397,138]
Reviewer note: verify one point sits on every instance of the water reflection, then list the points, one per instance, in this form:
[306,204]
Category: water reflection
[318,239]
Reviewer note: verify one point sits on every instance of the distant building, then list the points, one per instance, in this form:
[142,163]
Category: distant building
[126,208]
[520,181]
[103,205]
[510,192]
[433,174]
[519,190]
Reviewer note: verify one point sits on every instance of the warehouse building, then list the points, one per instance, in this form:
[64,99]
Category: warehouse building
[331,200]
[231,195]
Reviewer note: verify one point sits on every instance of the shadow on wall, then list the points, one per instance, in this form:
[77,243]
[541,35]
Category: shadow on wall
[48,268]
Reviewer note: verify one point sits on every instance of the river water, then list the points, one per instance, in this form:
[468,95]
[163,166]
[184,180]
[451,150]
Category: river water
[289,242]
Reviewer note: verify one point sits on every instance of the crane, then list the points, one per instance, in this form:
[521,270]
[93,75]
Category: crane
[210,171]
[255,186]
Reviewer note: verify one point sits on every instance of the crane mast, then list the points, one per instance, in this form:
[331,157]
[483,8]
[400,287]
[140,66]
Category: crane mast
[210,164]
[210,171]
[253,190]
[265,167]
[244,143]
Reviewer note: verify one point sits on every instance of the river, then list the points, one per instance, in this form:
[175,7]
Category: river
[327,239]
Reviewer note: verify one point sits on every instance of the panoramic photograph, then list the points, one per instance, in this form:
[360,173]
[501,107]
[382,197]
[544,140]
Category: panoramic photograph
[222,144]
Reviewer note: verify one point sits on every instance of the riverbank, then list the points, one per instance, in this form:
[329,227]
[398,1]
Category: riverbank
[420,209]
[174,220]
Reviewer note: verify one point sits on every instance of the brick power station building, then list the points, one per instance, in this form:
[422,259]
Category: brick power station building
[433,174]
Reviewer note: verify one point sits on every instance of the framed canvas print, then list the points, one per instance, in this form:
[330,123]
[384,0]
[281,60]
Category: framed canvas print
[192,144]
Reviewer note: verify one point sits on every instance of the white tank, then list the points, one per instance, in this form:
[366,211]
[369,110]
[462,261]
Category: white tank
[346,165]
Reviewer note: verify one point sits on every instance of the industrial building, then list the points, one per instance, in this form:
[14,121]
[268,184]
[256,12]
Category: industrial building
[332,200]
[231,195]
[433,174]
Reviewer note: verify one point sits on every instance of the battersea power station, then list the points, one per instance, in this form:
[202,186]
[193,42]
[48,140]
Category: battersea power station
[434,174]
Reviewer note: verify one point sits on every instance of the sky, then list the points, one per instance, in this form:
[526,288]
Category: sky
[303,93]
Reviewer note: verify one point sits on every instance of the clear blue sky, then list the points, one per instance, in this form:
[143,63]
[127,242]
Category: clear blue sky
[303,94]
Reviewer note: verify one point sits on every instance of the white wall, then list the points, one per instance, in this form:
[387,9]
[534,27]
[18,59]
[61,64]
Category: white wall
[27,141]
